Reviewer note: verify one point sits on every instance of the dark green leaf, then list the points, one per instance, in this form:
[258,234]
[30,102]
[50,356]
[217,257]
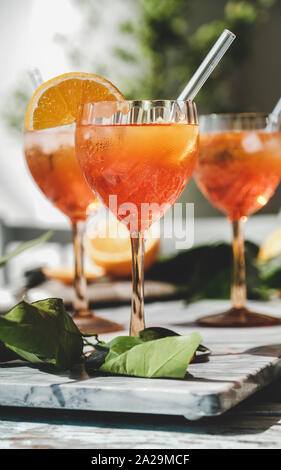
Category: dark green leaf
[201,354]
[30,357]
[96,359]
[10,353]
[156,332]
[206,272]
[43,329]
[6,354]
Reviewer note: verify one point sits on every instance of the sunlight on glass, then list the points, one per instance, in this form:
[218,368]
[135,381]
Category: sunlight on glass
[261,200]
[93,206]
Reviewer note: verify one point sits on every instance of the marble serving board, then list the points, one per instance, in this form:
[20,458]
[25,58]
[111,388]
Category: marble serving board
[241,362]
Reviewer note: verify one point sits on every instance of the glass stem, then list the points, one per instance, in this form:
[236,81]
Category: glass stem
[238,289]
[137,307]
[80,303]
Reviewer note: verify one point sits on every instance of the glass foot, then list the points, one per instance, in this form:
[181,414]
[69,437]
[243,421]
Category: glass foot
[91,323]
[238,317]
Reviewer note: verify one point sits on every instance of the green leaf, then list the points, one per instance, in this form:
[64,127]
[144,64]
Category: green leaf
[43,329]
[121,344]
[30,357]
[25,246]
[165,357]
[155,332]
[105,352]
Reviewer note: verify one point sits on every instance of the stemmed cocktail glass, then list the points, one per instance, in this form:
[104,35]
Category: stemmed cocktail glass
[238,170]
[51,158]
[137,156]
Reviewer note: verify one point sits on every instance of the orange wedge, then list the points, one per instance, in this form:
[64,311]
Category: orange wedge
[56,102]
[271,246]
[109,246]
[66,275]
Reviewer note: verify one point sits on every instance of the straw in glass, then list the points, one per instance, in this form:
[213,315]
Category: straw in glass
[207,66]
[274,116]
[35,77]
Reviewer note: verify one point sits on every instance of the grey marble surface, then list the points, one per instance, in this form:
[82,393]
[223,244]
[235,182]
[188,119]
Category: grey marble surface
[242,362]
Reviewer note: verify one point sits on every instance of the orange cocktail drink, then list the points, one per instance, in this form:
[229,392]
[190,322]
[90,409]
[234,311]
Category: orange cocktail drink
[140,154]
[239,171]
[51,159]
[146,165]
[49,145]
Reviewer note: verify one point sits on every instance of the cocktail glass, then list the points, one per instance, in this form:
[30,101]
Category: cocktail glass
[137,156]
[238,170]
[51,159]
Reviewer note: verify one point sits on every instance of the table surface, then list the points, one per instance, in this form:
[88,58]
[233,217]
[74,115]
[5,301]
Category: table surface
[253,424]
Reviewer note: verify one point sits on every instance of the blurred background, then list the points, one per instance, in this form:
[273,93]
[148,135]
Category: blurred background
[148,49]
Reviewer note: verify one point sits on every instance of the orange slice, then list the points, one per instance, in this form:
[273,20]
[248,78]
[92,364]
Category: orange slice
[56,102]
[271,246]
[66,275]
[109,246]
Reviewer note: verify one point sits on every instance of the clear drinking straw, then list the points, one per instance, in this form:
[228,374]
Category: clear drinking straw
[274,116]
[207,66]
[35,77]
